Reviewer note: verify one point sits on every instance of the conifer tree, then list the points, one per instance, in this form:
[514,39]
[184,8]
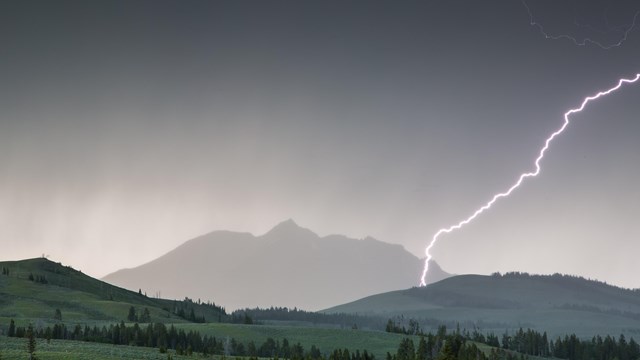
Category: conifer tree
[58,315]
[12,329]
[132,314]
[31,343]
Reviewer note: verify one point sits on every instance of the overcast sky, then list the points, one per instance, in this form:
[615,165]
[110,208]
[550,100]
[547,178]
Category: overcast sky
[127,128]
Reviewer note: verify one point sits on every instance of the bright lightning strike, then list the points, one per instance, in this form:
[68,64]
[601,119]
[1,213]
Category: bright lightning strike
[623,30]
[522,176]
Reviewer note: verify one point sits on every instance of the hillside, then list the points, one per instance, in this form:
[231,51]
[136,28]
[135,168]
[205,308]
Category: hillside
[288,266]
[33,289]
[557,304]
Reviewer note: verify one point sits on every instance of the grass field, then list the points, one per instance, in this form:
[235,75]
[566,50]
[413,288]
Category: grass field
[14,348]
[326,339]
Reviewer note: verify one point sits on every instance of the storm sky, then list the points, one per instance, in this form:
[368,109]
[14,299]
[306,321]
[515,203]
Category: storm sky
[129,127]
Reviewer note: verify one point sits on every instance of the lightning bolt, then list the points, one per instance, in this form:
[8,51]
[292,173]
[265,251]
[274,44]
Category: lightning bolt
[522,176]
[625,33]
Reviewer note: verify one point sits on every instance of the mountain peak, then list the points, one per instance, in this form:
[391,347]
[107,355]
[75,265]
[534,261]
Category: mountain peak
[289,223]
[289,228]
[286,257]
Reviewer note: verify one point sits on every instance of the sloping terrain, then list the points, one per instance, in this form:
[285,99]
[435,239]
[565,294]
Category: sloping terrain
[557,304]
[33,289]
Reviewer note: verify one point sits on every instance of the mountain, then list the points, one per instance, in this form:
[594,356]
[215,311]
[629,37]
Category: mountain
[558,304]
[35,288]
[288,266]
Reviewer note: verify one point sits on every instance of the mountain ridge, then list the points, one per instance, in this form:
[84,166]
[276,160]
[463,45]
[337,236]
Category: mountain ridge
[559,304]
[324,271]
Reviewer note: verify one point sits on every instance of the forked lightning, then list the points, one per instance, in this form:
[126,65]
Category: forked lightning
[522,176]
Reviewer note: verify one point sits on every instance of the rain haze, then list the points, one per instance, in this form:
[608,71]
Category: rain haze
[127,128]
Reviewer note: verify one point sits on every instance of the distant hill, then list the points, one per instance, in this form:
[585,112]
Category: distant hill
[33,289]
[288,266]
[557,304]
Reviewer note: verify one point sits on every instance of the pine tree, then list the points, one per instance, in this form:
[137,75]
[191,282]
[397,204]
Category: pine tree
[406,350]
[31,343]
[12,328]
[58,315]
[421,354]
[146,316]
[132,314]
[447,352]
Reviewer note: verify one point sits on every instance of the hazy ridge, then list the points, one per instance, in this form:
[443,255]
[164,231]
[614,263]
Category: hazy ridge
[555,303]
[288,266]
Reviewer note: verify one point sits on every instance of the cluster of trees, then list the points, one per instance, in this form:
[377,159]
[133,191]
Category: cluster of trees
[490,339]
[275,349]
[524,342]
[190,315]
[241,318]
[133,316]
[258,315]
[570,347]
[443,346]
[598,348]
[398,328]
[527,342]
[38,278]
[186,310]
[346,355]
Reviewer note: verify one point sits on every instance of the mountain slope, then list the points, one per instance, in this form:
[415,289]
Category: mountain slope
[35,288]
[557,304]
[288,266]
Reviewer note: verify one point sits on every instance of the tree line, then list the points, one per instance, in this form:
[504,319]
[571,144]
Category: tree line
[569,347]
[258,315]
[157,335]
[527,342]
[447,346]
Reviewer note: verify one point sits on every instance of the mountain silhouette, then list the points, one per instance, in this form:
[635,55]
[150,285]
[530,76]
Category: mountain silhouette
[288,266]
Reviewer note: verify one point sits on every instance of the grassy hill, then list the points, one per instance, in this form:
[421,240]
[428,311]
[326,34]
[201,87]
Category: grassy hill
[14,348]
[556,304]
[35,288]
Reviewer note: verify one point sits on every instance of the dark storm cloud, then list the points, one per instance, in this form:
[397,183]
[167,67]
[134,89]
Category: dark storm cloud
[128,127]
